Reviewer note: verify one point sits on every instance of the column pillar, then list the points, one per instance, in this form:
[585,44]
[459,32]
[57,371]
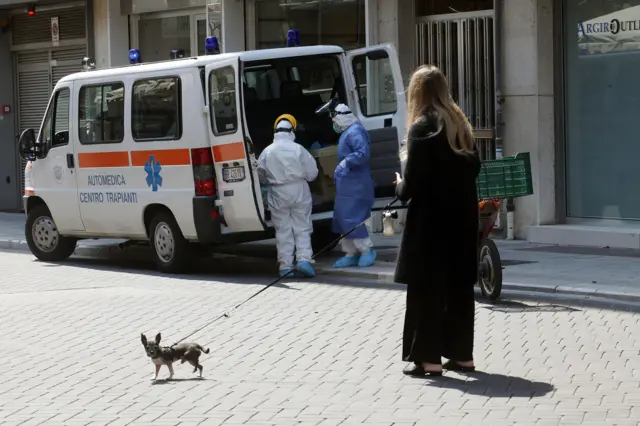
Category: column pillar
[528,110]
[395,23]
[111,34]
[233,39]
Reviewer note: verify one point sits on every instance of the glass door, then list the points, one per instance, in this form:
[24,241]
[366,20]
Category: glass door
[200,34]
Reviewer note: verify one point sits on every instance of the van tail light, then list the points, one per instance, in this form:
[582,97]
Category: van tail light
[204,173]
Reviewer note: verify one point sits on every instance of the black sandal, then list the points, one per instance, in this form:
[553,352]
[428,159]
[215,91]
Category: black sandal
[419,371]
[454,366]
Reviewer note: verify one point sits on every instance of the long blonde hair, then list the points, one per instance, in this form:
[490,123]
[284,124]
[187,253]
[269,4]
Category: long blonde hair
[429,92]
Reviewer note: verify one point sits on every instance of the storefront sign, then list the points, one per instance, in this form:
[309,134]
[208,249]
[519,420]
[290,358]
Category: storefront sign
[612,27]
[55,32]
[611,33]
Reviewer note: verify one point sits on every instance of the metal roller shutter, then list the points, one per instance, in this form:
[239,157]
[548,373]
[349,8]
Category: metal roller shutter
[34,29]
[37,71]
[33,91]
[36,79]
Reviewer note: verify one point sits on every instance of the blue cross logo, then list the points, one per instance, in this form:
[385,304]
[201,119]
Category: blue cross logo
[154,180]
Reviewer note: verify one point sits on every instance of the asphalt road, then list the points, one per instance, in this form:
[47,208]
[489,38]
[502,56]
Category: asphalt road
[302,353]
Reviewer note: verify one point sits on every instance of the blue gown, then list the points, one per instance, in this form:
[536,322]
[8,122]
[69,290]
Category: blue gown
[354,184]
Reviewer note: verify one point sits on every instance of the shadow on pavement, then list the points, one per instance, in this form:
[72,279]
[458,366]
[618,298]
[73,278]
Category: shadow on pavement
[228,270]
[508,306]
[175,380]
[233,271]
[494,385]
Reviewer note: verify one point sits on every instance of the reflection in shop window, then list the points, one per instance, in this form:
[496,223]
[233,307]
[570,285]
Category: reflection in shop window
[156,112]
[101,114]
[375,83]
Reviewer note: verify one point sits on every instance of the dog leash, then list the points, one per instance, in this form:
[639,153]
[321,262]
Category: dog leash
[227,313]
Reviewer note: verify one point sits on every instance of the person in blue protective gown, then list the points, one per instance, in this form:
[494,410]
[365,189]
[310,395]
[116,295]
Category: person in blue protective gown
[354,189]
[287,167]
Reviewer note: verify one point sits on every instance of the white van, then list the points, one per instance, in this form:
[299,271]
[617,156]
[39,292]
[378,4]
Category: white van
[167,152]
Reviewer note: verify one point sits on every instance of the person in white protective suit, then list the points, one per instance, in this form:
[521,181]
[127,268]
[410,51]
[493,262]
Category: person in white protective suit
[287,167]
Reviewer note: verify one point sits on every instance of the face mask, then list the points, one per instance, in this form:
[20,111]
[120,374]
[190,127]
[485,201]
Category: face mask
[336,128]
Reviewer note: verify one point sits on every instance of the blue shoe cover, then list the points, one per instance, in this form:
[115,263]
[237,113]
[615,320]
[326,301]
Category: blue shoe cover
[346,261]
[367,259]
[306,269]
[286,272]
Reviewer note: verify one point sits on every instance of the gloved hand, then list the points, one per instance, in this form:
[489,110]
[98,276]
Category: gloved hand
[341,169]
[315,145]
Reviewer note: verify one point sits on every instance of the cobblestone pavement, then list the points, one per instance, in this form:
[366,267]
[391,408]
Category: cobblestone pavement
[300,354]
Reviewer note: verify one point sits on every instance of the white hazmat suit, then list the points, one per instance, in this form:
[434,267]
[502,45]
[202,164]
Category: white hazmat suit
[287,167]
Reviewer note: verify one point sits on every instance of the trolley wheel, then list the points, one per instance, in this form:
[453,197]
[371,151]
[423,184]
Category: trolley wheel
[43,238]
[490,270]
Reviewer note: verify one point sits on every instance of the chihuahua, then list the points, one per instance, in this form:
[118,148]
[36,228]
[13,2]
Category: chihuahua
[167,355]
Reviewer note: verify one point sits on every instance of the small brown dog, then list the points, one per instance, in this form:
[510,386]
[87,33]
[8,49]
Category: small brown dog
[167,355]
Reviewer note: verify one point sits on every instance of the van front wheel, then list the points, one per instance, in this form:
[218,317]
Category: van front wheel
[170,248]
[43,238]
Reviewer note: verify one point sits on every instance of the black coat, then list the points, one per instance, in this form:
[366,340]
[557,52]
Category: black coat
[441,227]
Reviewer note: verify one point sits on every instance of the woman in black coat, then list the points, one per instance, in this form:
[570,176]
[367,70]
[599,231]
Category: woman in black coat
[438,255]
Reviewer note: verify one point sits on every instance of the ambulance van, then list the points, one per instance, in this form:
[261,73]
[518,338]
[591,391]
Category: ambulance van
[166,152]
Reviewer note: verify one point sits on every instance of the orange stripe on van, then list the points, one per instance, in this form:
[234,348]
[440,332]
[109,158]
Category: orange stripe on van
[229,152]
[103,159]
[166,157]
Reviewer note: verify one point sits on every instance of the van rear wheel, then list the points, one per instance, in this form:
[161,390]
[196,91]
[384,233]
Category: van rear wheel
[43,238]
[170,248]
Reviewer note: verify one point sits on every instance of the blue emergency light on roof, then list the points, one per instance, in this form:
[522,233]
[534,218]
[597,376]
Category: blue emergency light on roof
[134,56]
[293,38]
[211,45]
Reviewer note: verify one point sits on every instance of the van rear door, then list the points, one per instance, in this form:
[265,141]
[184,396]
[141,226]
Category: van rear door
[237,181]
[377,98]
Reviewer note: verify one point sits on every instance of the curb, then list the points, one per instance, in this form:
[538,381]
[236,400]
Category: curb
[113,252]
[387,278]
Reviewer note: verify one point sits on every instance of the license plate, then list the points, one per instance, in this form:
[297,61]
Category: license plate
[233,174]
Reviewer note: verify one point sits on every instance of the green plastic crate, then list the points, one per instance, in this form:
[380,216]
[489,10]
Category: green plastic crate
[508,177]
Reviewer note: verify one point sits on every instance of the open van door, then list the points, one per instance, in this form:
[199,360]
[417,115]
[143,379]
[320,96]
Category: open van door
[236,178]
[377,98]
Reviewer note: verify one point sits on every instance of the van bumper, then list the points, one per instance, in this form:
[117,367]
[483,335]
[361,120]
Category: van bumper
[206,218]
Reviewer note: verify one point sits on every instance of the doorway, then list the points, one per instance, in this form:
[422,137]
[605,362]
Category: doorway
[462,46]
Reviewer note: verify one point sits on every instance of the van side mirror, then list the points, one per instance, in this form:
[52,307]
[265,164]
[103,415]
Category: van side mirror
[26,145]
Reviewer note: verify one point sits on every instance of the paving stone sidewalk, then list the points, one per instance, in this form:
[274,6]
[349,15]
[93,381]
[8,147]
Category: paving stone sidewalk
[304,353]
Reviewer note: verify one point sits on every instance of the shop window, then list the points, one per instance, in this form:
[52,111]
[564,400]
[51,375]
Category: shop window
[375,84]
[156,109]
[319,22]
[101,114]
[159,36]
[222,101]
[602,94]
[56,123]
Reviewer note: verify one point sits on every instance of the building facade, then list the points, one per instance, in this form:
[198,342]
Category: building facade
[553,78]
